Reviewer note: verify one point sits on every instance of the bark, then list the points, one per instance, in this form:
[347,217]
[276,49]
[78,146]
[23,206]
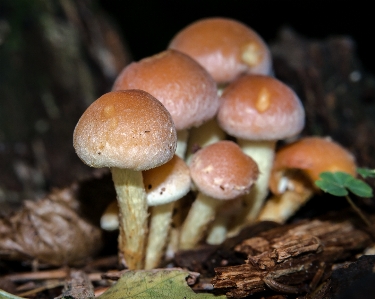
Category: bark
[56,57]
[290,259]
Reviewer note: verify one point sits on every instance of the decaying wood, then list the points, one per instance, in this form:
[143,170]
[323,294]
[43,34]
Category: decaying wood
[290,258]
[207,257]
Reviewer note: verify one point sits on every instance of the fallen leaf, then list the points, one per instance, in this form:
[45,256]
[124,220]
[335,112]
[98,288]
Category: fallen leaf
[159,284]
[5,295]
[49,230]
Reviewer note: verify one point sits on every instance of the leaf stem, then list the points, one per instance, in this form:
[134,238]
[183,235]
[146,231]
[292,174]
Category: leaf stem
[358,210]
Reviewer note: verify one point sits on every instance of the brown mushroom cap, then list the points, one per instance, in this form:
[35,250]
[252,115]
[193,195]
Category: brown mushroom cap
[225,47]
[168,182]
[256,107]
[125,129]
[222,171]
[184,87]
[311,155]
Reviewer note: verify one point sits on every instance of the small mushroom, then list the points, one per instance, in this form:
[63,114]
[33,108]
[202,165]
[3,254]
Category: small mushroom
[109,220]
[220,171]
[297,166]
[128,131]
[259,110]
[164,185]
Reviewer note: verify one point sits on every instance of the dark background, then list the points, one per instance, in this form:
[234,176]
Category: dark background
[148,26]
[53,49]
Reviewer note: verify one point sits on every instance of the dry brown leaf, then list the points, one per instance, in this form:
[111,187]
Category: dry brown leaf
[50,231]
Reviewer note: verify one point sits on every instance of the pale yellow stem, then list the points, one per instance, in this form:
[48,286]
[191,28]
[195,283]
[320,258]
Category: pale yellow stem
[218,230]
[132,202]
[161,218]
[206,134]
[182,137]
[263,153]
[201,214]
[280,208]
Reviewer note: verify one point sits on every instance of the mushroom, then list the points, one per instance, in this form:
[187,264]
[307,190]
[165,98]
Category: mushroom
[164,185]
[226,48]
[183,86]
[109,219]
[128,131]
[220,171]
[297,166]
[259,110]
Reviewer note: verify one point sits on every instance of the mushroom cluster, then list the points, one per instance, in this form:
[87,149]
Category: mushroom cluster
[211,95]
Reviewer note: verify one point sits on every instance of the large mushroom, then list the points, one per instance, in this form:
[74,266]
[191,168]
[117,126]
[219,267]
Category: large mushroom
[297,166]
[259,110]
[127,131]
[226,48]
[183,86]
[221,172]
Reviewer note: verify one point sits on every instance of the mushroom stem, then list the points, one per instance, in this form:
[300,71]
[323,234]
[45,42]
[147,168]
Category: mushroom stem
[182,137]
[161,216]
[206,134]
[263,152]
[224,217]
[218,231]
[132,202]
[201,213]
[181,209]
[280,208]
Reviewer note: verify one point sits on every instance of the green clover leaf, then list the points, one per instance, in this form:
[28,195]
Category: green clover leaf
[339,183]
[366,172]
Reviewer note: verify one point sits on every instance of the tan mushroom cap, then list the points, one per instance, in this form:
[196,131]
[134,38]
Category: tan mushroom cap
[184,87]
[222,171]
[256,107]
[311,155]
[168,182]
[226,48]
[125,129]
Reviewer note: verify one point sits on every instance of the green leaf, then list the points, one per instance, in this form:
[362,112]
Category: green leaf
[154,284]
[333,183]
[366,172]
[338,183]
[359,188]
[5,295]
[331,188]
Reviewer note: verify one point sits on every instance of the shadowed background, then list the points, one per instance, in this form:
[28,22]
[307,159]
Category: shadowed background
[58,56]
